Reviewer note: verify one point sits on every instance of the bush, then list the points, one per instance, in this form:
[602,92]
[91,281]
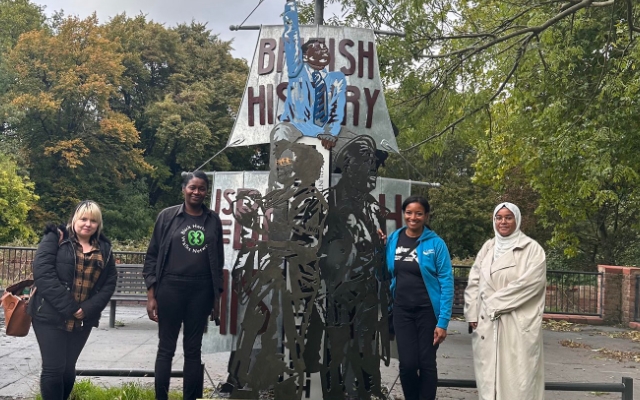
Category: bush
[16,199]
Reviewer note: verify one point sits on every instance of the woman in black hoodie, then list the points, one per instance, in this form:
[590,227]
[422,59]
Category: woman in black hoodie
[75,276]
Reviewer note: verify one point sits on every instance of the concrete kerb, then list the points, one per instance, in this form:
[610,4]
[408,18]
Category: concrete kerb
[133,345]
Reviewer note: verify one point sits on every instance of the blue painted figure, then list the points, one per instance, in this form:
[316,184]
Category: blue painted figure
[316,98]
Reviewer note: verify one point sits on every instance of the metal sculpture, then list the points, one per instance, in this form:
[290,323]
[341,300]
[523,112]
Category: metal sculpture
[279,302]
[316,98]
[355,278]
[315,289]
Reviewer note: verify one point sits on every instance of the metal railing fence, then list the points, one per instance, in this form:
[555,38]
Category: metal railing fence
[460,275]
[576,293]
[625,387]
[16,262]
[129,257]
[568,292]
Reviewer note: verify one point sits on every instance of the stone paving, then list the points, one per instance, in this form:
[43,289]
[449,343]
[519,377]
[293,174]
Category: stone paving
[589,355]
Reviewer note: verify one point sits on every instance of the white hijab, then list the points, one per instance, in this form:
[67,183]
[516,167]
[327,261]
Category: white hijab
[506,243]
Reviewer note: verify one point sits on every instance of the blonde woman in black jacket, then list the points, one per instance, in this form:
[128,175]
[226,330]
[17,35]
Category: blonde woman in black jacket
[75,276]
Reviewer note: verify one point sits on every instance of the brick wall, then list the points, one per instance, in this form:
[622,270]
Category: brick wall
[619,293]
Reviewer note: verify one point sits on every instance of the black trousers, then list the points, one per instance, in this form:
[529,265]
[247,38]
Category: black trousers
[414,328]
[60,351]
[188,301]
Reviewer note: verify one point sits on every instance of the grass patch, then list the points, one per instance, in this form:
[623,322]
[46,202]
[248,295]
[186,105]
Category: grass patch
[86,390]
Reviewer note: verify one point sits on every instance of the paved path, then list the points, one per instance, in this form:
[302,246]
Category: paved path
[133,345]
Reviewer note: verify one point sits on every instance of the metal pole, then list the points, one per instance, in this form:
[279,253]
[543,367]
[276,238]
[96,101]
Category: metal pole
[258,27]
[319,13]
[627,394]
[601,302]
[430,184]
[636,313]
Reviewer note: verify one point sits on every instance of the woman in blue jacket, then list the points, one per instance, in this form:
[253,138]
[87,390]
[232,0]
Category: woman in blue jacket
[422,288]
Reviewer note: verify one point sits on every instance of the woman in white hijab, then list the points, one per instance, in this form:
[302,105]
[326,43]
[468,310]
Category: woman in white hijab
[504,303]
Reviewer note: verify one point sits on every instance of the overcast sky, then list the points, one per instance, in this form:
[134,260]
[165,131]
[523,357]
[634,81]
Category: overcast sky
[219,14]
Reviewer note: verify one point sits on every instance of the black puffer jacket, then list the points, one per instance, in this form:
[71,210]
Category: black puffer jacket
[54,269]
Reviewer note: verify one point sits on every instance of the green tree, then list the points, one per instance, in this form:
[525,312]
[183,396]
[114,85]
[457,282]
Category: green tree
[18,17]
[193,120]
[570,125]
[546,92]
[17,197]
[460,210]
[128,214]
[181,86]
[65,79]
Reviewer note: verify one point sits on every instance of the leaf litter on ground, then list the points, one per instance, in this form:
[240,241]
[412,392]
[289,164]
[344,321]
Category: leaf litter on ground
[617,355]
[561,326]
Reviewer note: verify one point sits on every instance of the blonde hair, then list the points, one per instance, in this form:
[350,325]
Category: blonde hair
[86,207]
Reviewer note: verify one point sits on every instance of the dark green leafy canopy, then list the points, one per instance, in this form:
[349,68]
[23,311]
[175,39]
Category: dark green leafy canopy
[545,91]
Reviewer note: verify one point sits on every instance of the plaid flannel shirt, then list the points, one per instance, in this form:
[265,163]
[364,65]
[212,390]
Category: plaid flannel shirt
[89,266]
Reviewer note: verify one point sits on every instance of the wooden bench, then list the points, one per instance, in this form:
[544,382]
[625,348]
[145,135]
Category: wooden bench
[130,286]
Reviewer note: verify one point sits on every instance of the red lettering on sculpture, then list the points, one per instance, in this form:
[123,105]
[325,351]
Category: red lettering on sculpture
[226,232]
[253,100]
[362,54]
[371,102]
[266,51]
[270,104]
[353,97]
[332,52]
[218,195]
[226,194]
[345,52]
[280,55]
[392,216]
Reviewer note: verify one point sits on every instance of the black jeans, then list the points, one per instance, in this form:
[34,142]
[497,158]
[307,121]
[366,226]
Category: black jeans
[60,351]
[414,328]
[189,301]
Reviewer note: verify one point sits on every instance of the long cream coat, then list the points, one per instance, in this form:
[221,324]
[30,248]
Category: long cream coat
[506,298]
